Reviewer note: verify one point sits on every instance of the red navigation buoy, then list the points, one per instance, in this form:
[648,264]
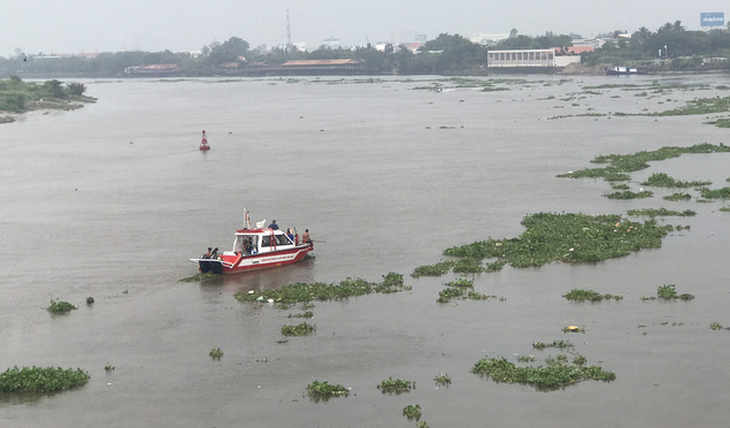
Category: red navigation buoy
[204,142]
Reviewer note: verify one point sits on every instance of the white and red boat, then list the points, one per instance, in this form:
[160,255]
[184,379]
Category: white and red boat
[256,248]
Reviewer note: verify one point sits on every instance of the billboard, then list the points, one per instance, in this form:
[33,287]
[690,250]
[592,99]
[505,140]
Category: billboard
[712,19]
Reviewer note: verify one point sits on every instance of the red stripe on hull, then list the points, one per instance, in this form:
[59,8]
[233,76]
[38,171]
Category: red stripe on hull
[239,266]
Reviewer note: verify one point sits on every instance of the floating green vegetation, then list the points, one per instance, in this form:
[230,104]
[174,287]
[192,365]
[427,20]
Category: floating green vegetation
[449,293]
[555,374]
[396,386]
[307,292]
[198,277]
[622,164]
[723,193]
[676,197]
[698,106]
[108,367]
[628,194]
[668,292]
[38,379]
[462,289]
[525,358]
[578,295]
[324,391]
[442,379]
[216,353]
[461,282]
[60,307]
[412,411]
[653,212]
[663,180]
[725,209]
[723,122]
[437,269]
[567,238]
[559,344]
[308,314]
[468,265]
[717,326]
[298,330]
[620,186]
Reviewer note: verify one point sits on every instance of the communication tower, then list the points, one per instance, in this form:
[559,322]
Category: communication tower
[288,30]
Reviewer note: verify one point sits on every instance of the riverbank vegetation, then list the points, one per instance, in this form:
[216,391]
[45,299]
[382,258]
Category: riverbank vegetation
[39,379]
[17,96]
[670,48]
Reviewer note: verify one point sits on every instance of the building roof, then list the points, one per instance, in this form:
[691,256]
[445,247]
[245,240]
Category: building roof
[320,62]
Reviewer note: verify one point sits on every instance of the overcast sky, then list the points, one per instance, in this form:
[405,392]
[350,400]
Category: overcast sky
[75,26]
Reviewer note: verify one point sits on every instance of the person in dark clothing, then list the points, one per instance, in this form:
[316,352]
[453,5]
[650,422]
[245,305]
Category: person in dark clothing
[273,225]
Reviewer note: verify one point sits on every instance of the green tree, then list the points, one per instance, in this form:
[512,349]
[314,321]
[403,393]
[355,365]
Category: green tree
[230,51]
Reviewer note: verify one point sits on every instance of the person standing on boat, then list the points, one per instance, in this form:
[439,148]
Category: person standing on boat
[305,237]
[208,254]
[273,225]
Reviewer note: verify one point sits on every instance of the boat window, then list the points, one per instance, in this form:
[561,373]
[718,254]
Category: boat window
[238,244]
[282,240]
[266,241]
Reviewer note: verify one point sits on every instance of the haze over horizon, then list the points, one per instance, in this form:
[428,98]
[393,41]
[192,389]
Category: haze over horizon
[45,26]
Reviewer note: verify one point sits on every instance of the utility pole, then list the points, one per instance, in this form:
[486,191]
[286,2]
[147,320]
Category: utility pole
[288,30]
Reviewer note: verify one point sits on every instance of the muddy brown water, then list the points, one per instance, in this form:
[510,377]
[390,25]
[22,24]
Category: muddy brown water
[111,200]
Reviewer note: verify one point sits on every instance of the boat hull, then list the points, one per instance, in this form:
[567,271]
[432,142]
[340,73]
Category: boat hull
[234,264]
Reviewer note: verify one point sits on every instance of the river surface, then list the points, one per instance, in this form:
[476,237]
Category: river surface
[111,200]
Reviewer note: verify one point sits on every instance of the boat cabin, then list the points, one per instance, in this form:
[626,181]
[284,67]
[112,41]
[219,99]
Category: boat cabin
[258,241]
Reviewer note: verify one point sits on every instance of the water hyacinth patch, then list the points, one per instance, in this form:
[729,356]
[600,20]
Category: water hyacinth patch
[216,353]
[60,307]
[555,374]
[621,164]
[578,295]
[412,411]
[442,379]
[676,197]
[396,386]
[668,292]
[722,193]
[663,180]
[437,269]
[302,329]
[307,292]
[308,314]
[628,194]
[38,379]
[654,212]
[324,391]
[567,238]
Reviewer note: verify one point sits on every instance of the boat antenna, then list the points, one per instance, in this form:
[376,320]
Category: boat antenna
[246,219]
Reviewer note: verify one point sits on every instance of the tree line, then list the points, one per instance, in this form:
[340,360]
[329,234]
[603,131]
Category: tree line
[671,47]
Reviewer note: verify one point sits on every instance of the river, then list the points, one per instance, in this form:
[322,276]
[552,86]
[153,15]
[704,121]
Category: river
[110,202]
